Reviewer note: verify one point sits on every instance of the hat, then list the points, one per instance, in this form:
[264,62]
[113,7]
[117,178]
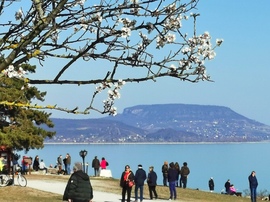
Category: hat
[77,166]
[139,166]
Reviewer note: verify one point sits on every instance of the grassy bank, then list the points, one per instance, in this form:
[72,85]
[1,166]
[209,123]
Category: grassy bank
[25,194]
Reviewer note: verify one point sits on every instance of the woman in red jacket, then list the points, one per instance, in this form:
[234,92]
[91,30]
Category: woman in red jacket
[103,163]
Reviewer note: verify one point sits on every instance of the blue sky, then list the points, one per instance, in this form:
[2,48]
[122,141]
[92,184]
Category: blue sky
[240,69]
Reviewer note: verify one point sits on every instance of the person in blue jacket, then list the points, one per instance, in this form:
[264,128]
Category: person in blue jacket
[140,177]
[253,184]
[152,182]
[172,177]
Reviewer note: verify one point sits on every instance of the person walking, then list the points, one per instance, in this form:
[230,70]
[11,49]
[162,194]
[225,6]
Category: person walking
[59,164]
[140,177]
[152,182]
[78,188]
[164,170]
[172,177]
[68,163]
[211,184]
[253,184]
[96,166]
[126,177]
[184,172]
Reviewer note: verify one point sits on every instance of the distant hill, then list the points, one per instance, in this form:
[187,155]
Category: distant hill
[164,123]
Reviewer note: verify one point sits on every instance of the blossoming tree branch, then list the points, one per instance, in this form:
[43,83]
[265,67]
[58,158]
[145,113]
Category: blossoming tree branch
[119,41]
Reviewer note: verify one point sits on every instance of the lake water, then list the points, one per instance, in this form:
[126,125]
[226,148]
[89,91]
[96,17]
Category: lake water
[233,161]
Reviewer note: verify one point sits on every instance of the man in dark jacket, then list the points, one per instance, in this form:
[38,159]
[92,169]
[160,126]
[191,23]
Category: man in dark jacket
[140,177]
[96,166]
[152,182]
[79,187]
[184,172]
[172,177]
[253,183]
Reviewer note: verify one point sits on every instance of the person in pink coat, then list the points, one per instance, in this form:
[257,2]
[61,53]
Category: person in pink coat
[103,164]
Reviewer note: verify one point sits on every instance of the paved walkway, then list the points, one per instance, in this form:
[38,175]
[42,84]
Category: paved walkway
[59,188]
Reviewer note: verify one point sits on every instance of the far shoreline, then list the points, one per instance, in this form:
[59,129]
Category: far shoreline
[145,143]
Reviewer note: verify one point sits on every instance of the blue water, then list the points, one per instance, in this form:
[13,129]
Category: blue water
[221,161]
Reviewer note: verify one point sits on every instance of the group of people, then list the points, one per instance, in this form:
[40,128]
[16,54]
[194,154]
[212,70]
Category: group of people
[138,178]
[171,173]
[67,163]
[40,165]
[231,190]
[182,173]
[79,187]
[97,165]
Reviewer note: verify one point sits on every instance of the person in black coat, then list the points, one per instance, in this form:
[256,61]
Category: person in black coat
[172,177]
[164,170]
[140,177]
[36,163]
[211,184]
[96,166]
[79,188]
[227,186]
[152,182]
[126,177]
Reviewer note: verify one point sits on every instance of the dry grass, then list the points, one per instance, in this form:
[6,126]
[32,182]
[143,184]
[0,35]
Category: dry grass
[25,194]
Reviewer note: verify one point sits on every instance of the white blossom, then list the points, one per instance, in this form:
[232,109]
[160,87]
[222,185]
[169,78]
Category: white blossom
[170,38]
[126,32]
[18,14]
[219,42]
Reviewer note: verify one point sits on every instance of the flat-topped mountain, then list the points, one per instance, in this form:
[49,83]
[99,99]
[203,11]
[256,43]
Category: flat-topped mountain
[164,123]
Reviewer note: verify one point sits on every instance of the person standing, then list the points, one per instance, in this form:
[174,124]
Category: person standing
[152,182]
[140,177]
[227,186]
[211,184]
[253,184]
[184,172]
[36,163]
[177,167]
[65,165]
[103,163]
[126,176]
[79,188]
[68,162]
[164,170]
[96,166]
[59,164]
[172,177]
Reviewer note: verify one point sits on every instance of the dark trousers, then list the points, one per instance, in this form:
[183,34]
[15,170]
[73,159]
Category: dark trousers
[96,170]
[126,190]
[152,190]
[183,181]
[137,187]
[165,179]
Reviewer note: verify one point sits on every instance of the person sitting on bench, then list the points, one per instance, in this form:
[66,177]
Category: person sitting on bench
[42,166]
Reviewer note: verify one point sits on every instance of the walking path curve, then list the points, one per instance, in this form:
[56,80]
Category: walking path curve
[58,187]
